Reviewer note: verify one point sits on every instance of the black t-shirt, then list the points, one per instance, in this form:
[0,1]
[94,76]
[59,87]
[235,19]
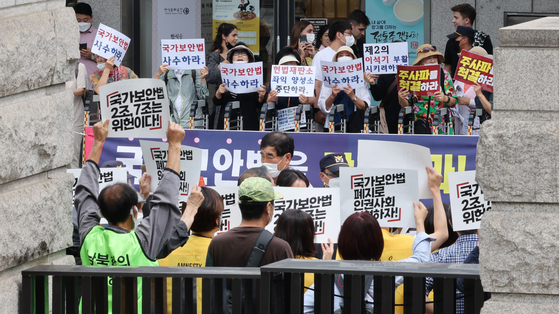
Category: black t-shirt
[451,50]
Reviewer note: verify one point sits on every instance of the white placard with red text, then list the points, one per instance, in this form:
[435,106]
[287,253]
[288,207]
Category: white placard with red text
[242,78]
[467,201]
[183,54]
[387,194]
[231,216]
[110,42]
[343,73]
[155,158]
[293,80]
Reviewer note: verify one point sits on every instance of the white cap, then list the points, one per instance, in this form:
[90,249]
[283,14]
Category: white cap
[288,58]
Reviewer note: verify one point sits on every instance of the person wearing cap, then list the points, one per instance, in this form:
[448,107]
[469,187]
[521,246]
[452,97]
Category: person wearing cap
[288,58]
[464,15]
[330,169]
[233,248]
[353,99]
[184,87]
[424,107]
[250,102]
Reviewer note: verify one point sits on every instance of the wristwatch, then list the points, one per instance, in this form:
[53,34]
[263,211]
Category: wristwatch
[354,98]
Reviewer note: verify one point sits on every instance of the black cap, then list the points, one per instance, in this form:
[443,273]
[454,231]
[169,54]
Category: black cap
[333,162]
[463,31]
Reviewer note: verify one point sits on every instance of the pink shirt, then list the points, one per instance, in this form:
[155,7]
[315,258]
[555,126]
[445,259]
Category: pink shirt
[88,37]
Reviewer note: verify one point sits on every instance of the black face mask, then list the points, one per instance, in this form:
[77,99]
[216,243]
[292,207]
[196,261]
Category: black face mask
[228,45]
[455,45]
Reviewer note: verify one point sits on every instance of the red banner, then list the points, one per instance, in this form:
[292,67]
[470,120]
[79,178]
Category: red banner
[423,80]
[474,68]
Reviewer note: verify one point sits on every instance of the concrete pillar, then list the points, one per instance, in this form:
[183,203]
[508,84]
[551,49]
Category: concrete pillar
[38,50]
[518,169]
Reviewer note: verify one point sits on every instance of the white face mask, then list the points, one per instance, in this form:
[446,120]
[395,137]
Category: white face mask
[349,41]
[334,183]
[310,38]
[240,61]
[101,66]
[273,168]
[84,26]
[136,220]
[431,64]
[345,58]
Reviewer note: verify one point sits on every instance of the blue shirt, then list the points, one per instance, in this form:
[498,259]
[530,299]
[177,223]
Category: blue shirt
[454,254]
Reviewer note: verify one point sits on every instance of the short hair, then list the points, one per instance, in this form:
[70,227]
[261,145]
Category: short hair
[361,238]
[297,228]
[466,10]
[430,226]
[321,32]
[288,176]
[296,32]
[358,17]
[208,212]
[83,8]
[260,172]
[339,26]
[252,210]
[283,143]
[115,202]
[470,40]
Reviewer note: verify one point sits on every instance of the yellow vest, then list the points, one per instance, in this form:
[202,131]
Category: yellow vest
[192,254]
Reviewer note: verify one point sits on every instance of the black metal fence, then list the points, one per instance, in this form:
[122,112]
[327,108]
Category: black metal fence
[275,288]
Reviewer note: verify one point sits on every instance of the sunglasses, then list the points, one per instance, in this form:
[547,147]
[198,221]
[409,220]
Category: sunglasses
[427,49]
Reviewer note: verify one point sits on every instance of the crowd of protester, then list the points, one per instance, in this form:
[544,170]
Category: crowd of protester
[161,236]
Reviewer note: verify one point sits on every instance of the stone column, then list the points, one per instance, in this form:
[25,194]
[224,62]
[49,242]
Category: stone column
[518,169]
[38,50]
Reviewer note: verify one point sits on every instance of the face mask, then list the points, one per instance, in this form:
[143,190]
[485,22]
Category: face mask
[343,59]
[136,220]
[228,45]
[273,168]
[84,26]
[240,61]
[334,183]
[310,38]
[101,66]
[431,64]
[349,41]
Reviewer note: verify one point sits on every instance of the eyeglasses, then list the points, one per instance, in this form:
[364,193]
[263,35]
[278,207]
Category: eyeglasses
[240,53]
[427,49]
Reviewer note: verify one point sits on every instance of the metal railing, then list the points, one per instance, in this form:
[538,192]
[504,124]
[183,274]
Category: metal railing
[275,288]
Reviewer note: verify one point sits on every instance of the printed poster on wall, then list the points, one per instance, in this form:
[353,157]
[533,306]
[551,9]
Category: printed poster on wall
[467,201]
[392,20]
[155,158]
[136,108]
[242,13]
[387,194]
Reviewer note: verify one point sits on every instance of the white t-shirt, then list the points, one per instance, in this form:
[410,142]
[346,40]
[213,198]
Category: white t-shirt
[325,54]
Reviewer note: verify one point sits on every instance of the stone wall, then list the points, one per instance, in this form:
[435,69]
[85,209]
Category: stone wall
[517,167]
[38,51]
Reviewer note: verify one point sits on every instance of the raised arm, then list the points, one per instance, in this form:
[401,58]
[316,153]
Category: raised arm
[109,66]
[440,234]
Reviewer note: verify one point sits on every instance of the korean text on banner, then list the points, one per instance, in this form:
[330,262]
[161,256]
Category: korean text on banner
[385,58]
[395,155]
[467,201]
[107,176]
[421,80]
[183,54]
[286,119]
[474,68]
[322,204]
[231,216]
[292,80]
[343,73]
[109,42]
[242,78]
[155,159]
[136,108]
[387,194]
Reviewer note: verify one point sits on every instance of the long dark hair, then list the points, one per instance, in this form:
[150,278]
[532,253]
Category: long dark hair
[297,228]
[223,29]
[296,32]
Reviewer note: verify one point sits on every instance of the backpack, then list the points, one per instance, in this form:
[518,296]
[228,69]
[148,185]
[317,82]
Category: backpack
[368,281]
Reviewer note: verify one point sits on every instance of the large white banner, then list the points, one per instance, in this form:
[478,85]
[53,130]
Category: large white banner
[396,155]
[110,42]
[136,108]
[343,73]
[387,194]
[467,201]
[242,78]
[183,54]
[155,158]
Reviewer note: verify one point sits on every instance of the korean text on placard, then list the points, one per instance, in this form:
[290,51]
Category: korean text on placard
[370,196]
[420,80]
[242,78]
[343,73]
[473,68]
[184,54]
[385,58]
[292,80]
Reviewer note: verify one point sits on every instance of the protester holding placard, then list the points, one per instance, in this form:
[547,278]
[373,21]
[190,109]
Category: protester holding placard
[184,87]
[250,102]
[287,57]
[424,107]
[108,73]
[301,41]
[353,98]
